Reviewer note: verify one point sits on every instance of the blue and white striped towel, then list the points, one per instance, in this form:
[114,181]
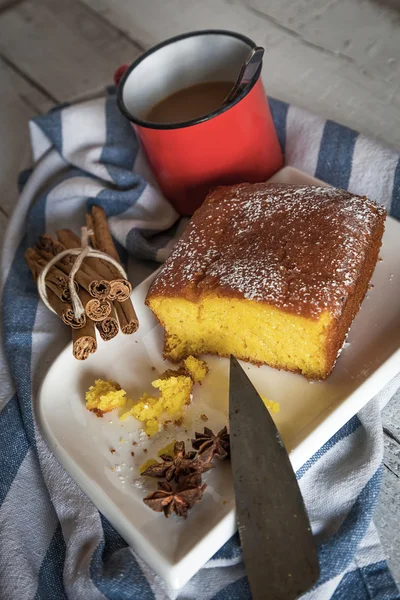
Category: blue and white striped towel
[54,544]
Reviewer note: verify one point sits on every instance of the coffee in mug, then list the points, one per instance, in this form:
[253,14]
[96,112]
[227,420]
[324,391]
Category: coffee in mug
[190,103]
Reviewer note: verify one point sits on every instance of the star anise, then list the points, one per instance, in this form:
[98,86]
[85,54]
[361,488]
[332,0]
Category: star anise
[209,445]
[166,499]
[173,467]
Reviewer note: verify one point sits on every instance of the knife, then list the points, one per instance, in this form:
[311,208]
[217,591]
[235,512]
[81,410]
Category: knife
[278,547]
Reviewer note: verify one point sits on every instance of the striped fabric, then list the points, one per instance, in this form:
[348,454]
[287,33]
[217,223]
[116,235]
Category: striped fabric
[54,544]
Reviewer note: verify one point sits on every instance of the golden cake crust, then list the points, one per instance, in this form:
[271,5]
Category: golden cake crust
[305,250]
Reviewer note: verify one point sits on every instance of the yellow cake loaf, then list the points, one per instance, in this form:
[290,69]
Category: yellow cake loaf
[272,274]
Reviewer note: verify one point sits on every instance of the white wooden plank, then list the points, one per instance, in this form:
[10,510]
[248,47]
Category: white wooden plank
[387,517]
[6,4]
[19,101]
[392,458]
[337,71]
[362,32]
[391,417]
[63,46]
[3,225]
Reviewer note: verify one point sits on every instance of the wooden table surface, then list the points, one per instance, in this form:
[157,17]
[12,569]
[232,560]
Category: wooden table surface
[337,58]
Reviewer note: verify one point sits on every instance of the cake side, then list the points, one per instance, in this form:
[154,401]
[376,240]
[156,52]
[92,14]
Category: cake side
[273,274]
[341,326]
[249,330]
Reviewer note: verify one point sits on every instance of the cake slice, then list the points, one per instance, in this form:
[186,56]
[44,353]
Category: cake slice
[273,274]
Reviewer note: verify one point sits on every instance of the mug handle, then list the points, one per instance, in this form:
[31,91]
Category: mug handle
[119,72]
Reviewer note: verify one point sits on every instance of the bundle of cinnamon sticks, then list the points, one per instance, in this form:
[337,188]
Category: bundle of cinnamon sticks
[104,294]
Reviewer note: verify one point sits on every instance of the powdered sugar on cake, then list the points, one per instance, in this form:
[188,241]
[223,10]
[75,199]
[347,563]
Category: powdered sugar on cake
[300,248]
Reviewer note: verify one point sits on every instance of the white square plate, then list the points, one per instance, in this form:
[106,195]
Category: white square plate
[310,414]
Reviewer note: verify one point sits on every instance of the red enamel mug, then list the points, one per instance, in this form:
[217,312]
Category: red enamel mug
[234,144]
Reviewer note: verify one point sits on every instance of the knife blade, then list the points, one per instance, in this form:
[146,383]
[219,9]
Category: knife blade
[278,547]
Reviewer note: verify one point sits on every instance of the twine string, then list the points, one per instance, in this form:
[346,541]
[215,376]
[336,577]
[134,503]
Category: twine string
[80,253]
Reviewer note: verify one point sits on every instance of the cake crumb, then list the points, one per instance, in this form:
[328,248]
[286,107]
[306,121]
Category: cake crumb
[203,417]
[104,396]
[196,368]
[112,451]
[271,405]
[169,449]
[132,454]
[175,388]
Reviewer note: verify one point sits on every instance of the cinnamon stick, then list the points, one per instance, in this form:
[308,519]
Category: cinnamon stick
[61,309]
[55,279]
[97,310]
[108,328]
[104,241]
[102,238]
[100,289]
[120,290]
[68,316]
[47,243]
[84,341]
[54,297]
[127,318]
[68,238]
[90,228]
